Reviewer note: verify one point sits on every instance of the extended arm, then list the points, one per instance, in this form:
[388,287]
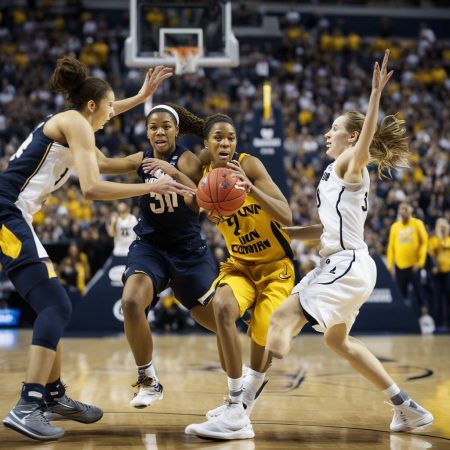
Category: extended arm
[152,80]
[309,233]
[80,139]
[361,156]
[115,166]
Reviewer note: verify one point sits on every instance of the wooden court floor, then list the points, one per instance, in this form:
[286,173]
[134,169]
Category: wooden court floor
[313,401]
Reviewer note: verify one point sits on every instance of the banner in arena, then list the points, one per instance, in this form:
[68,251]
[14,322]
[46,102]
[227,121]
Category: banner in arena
[99,310]
[267,144]
[385,310]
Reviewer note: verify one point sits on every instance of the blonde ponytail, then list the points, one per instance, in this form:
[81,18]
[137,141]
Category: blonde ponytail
[389,148]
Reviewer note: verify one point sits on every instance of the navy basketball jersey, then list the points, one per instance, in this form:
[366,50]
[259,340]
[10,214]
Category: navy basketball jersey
[165,220]
[39,167]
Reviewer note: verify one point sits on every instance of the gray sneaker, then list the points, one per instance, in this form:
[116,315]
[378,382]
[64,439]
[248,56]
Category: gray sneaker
[64,408]
[28,419]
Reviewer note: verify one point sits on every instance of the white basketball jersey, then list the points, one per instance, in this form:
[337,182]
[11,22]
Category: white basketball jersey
[124,235]
[343,210]
[39,167]
[50,176]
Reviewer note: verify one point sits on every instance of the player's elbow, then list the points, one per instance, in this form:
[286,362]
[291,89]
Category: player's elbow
[286,219]
[89,191]
[89,195]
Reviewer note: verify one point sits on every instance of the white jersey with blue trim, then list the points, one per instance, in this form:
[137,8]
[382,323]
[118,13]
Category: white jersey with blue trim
[343,210]
[39,167]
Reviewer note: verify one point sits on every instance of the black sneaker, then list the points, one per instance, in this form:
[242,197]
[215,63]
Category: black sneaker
[64,408]
[28,418]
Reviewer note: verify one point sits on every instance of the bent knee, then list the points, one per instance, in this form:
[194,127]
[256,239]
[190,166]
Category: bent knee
[132,305]
[226,308]
[337,343]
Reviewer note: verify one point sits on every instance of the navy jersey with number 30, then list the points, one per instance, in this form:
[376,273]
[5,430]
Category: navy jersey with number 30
[165,219]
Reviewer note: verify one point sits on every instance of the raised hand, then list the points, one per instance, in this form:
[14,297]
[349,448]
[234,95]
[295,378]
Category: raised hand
[167,185]
[152,80]
[381,76]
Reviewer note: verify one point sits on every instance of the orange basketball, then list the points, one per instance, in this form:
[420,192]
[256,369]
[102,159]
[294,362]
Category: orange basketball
[217,191]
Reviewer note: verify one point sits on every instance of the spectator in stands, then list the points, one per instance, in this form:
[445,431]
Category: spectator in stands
[407,252]
[439,251]
[121,229]
[309,85]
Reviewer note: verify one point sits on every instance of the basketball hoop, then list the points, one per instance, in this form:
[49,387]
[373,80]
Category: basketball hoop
[186,59]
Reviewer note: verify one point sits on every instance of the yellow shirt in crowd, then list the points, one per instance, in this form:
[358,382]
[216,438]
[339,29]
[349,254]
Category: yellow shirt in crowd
[407,244]
[440,249]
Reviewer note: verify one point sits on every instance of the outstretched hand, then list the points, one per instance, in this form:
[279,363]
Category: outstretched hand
[167,185]
[152,80]
[381,76]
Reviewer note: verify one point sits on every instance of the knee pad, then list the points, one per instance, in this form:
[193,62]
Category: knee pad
[54,310]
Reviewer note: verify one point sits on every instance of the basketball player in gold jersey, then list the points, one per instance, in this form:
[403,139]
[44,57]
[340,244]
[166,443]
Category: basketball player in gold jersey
[257,275]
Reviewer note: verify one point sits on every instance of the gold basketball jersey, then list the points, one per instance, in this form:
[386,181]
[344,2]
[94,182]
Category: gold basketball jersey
[250,234]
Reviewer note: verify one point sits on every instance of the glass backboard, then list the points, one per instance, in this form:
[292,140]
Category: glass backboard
[156,26]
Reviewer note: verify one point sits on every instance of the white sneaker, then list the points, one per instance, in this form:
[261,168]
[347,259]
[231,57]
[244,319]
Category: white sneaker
[409,415]
[232,424]
[149,392]
[248,406]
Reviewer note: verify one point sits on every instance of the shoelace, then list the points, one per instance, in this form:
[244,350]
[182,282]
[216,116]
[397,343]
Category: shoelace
[397,412]
[145,382]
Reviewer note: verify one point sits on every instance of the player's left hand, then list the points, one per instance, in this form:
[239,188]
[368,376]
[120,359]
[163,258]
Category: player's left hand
[238,171]
[153,78]
[151,165]
[381,76]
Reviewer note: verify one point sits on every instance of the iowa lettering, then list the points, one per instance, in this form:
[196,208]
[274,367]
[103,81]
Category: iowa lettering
[243,212]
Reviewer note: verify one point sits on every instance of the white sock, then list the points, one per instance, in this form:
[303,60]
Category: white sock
[147,370]
[235,389]
[252,382]
[391,391]
[396,395]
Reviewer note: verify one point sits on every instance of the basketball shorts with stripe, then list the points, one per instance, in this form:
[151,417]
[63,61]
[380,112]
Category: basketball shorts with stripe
[334,292]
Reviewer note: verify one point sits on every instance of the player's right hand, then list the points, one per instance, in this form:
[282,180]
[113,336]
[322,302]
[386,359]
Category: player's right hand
[167,185]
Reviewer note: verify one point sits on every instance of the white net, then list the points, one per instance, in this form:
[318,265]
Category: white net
[186,59]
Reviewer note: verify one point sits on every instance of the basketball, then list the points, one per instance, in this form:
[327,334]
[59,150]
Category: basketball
[218,191]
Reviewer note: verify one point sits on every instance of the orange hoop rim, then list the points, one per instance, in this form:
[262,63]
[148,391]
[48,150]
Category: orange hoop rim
[185,52]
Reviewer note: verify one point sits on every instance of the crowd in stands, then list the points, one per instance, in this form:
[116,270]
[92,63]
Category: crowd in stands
[317,71]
